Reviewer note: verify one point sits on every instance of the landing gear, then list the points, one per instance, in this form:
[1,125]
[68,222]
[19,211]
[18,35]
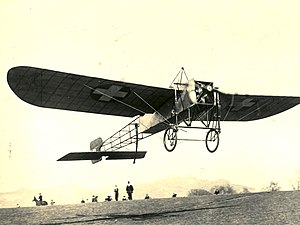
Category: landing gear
[212,140]
[194,101]
[170,139]
[206,113]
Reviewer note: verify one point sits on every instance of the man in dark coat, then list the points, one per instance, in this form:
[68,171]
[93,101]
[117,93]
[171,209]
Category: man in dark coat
[129,190]
[116,190]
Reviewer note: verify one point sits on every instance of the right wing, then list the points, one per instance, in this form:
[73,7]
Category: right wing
[253,107]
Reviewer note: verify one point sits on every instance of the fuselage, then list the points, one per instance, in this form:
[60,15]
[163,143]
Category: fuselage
[186,95]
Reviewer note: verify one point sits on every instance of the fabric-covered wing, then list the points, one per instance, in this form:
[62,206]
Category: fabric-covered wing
[58,90]
[253,107]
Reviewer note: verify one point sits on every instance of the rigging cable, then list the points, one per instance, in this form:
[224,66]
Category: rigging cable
[231,104]
[165,119]
[130,106]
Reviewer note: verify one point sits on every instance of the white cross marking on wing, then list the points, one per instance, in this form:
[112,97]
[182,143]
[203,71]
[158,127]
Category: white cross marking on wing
[246,103]
[112,92]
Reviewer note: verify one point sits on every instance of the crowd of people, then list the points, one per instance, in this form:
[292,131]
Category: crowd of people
[129,190]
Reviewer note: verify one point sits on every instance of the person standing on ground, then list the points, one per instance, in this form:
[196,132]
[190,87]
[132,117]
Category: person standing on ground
[129,190]
[116,190]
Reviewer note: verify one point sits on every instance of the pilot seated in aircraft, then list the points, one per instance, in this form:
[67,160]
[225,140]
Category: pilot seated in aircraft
[200,95]
[204,94]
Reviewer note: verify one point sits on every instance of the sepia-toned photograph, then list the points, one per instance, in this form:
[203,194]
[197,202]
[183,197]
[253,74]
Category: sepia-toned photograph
[149,112]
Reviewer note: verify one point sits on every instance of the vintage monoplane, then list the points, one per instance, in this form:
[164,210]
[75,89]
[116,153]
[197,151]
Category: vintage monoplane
[153,109]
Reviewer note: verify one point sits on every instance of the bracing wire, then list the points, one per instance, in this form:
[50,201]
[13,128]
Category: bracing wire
[258,108]
[231,104]
[165,119]
[182,71]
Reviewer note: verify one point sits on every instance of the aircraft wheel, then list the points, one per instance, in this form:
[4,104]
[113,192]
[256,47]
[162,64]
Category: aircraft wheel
[170,139]
[212,140]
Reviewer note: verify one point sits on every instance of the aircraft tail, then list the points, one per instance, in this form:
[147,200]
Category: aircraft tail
[95,146]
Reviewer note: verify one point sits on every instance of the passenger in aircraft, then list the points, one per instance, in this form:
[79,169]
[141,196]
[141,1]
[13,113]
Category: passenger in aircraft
[129,190]
[116,190]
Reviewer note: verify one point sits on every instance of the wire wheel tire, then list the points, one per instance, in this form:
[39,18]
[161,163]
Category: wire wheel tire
[212,140]
[170,139]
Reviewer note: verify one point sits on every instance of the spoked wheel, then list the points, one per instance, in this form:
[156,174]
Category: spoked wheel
[212,140]
[170,139]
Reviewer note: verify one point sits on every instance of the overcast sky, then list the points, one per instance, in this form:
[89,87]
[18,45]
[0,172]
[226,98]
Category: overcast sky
[246,47]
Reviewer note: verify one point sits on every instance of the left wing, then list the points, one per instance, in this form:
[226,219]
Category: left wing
[58,90]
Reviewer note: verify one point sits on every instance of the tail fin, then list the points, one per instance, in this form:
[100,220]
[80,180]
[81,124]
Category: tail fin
[95,145]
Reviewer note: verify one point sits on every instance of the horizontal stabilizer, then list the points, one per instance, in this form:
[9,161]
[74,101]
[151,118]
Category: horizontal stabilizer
[98,155]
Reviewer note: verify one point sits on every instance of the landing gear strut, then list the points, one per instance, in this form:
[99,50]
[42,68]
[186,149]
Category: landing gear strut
[212,140]
[170,138]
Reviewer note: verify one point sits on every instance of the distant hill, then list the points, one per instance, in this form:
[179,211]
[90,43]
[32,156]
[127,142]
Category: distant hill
[163,188]
[181,186]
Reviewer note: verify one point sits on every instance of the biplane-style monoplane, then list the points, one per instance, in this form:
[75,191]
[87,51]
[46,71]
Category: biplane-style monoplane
[153,109]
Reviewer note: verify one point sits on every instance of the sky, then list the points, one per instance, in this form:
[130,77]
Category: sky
[245,47]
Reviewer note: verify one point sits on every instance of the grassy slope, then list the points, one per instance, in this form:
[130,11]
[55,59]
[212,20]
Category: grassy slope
[252,208]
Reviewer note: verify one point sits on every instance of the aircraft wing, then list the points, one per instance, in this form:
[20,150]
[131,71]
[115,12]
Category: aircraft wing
[98,155]
[58,90]
[253,107]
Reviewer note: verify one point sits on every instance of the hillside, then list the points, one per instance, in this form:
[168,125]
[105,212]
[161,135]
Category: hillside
[251,208]
[182,185]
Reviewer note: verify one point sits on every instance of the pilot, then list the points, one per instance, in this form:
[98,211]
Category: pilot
[200,94]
